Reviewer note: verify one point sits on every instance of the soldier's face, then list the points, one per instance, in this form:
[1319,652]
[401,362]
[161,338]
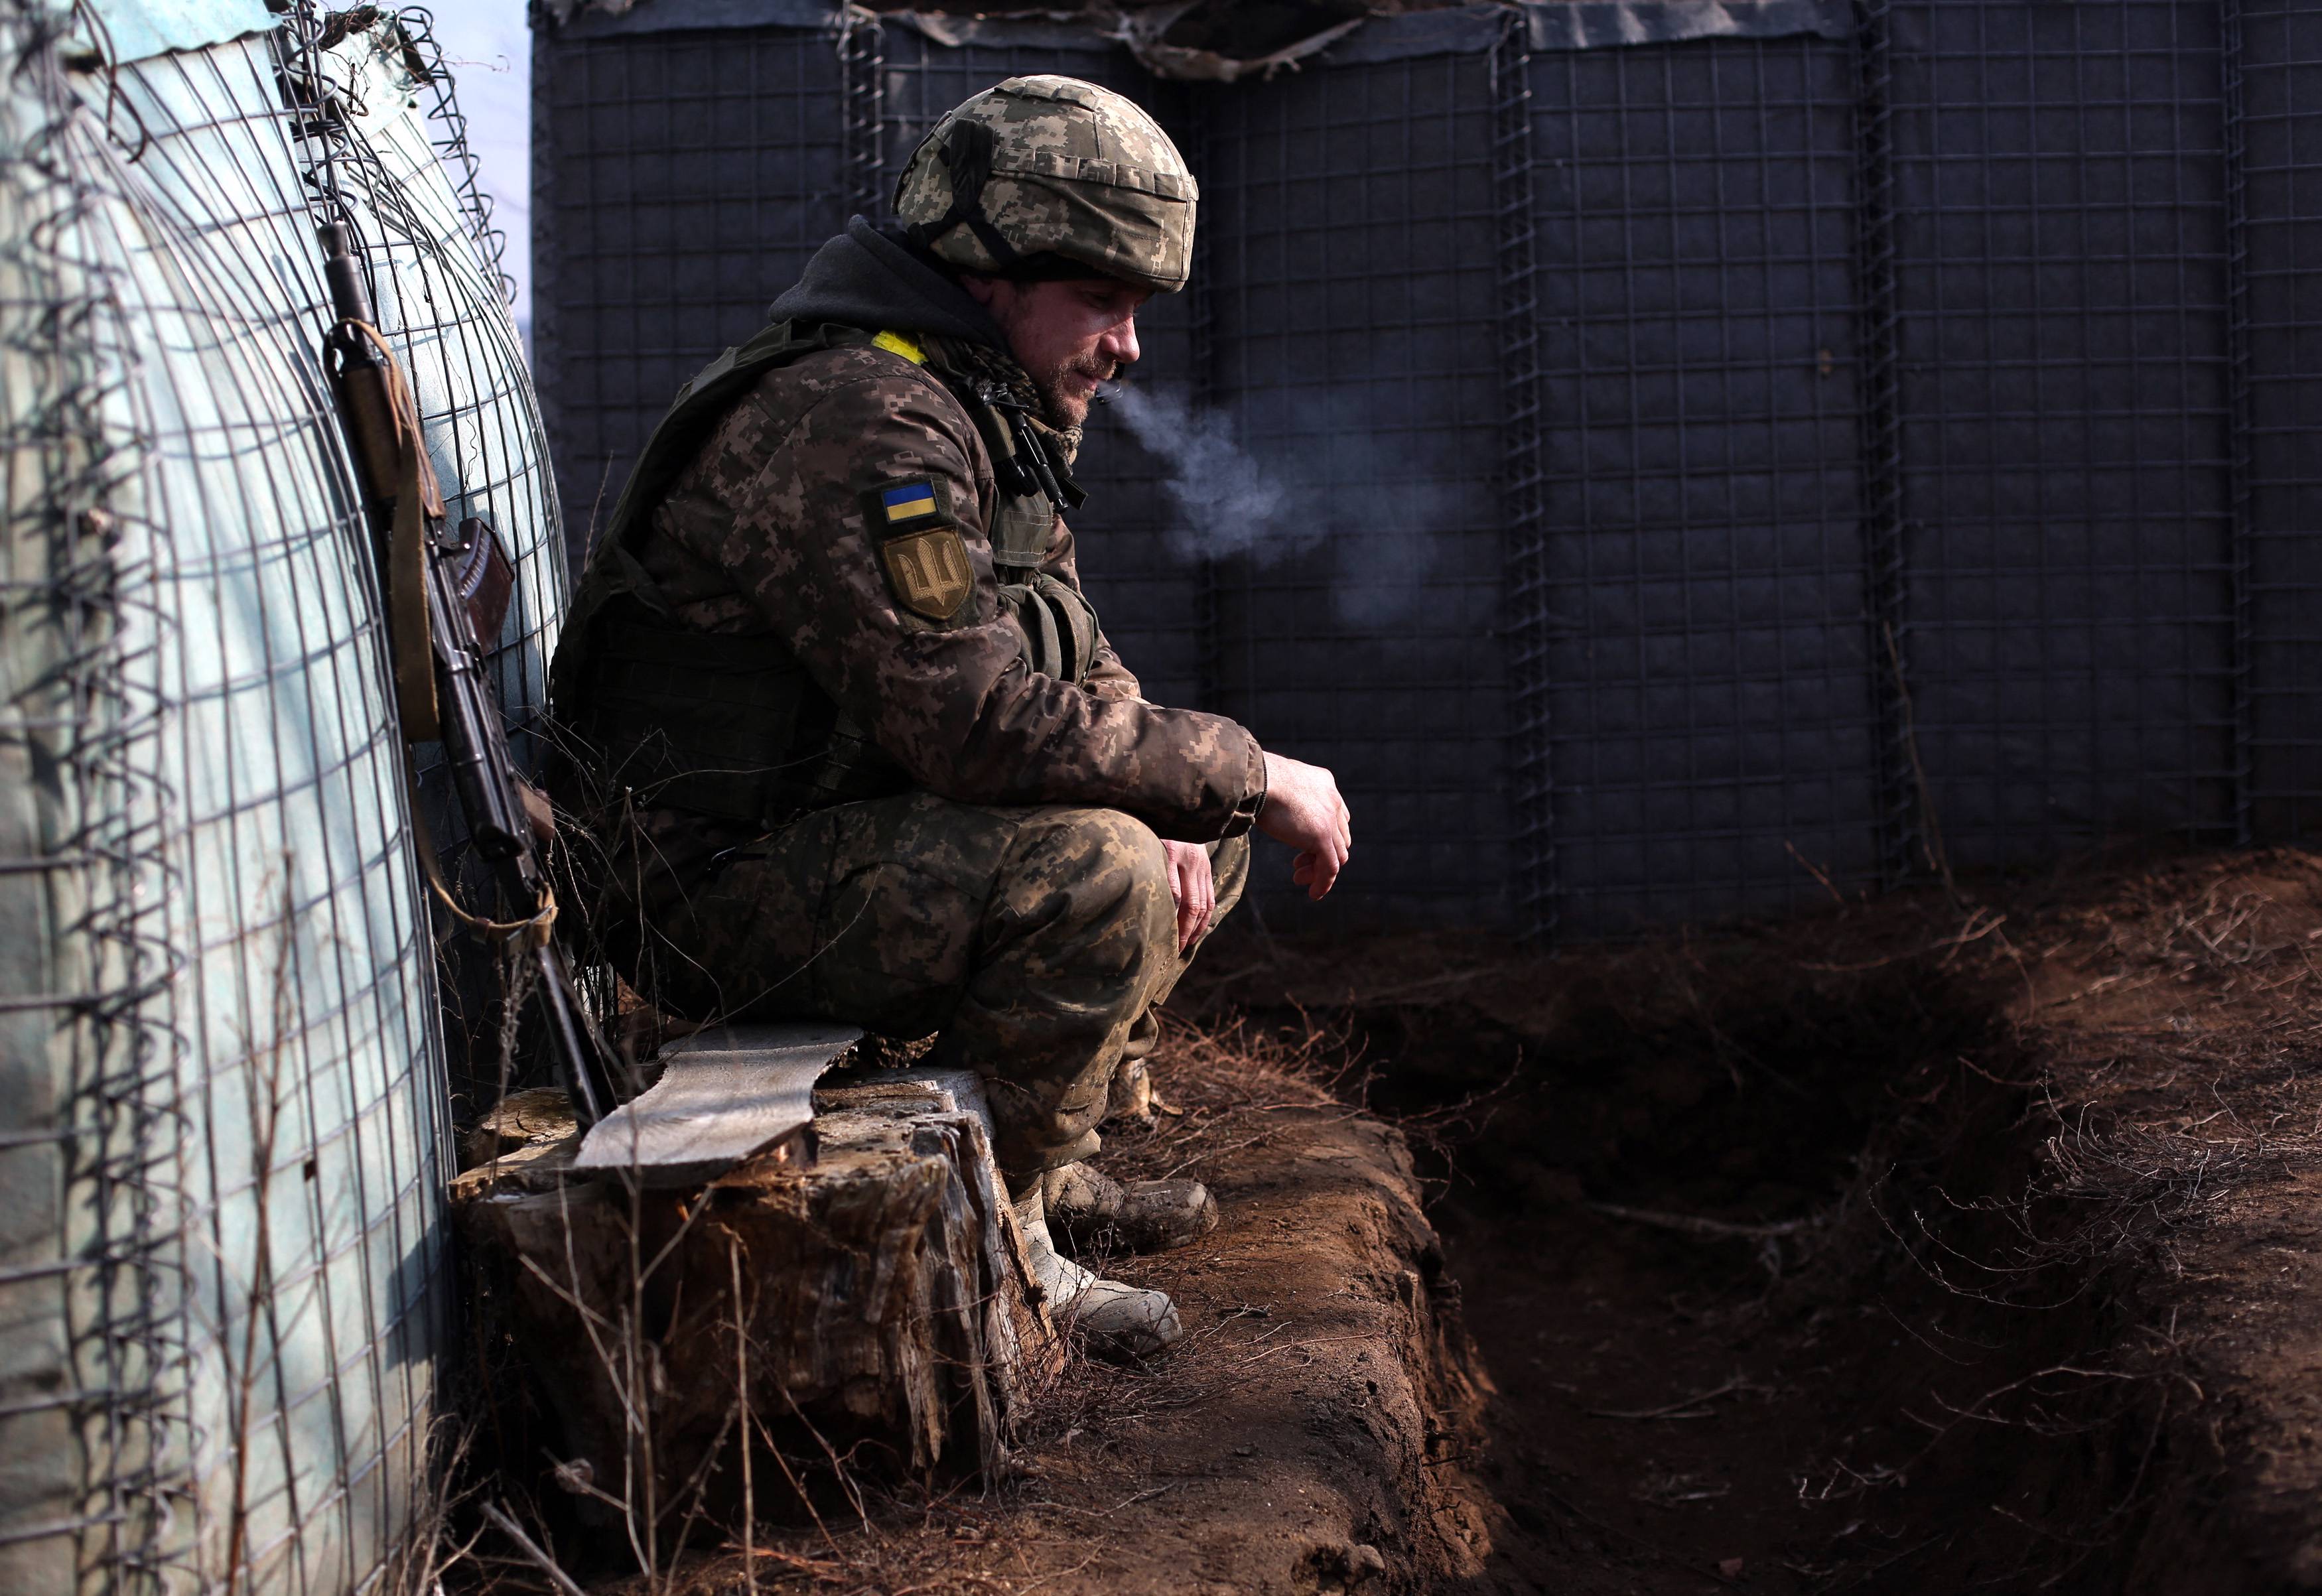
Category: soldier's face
[1069,336]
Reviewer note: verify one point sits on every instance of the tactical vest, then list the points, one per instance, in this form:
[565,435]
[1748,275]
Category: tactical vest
[732,725]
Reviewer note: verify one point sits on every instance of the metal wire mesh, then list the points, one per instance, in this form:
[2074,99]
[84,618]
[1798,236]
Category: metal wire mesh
[2279,68]
[447,128]
[680,188]
[1356,298]
[1524,478]
[313,1175]
[2062,255]
[90,1288]
[284,1145]
[412,181]
[225,1054]
[1901,797]
[1709,701]
[407,185]
[862,52]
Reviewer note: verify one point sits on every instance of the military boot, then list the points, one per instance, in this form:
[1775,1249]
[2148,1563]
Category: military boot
[1119,1319]
[1094,1212]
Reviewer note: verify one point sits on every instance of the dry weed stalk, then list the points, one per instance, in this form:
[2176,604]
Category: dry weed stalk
[436,1544]
[263,1100]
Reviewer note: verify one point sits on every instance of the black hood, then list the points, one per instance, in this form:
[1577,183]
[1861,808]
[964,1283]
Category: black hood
[869,277]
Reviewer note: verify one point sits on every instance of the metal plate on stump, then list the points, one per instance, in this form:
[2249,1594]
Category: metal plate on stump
[723,1094]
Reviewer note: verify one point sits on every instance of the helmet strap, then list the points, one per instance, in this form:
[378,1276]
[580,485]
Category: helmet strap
[968,151]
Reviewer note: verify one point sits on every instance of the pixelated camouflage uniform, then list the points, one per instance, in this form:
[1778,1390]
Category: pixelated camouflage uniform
[999,876]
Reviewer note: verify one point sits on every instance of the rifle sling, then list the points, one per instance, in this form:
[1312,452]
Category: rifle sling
[417,499]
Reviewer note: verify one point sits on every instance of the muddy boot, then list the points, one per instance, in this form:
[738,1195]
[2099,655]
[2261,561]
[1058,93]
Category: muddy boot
[1095,1212]
[1119,1319]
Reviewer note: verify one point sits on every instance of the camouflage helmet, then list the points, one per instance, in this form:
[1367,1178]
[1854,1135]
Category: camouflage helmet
[1052,166]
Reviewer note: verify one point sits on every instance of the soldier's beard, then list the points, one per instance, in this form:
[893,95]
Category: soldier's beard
[1067,387]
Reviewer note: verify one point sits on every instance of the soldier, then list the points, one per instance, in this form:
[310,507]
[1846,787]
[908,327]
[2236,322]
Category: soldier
[845,731]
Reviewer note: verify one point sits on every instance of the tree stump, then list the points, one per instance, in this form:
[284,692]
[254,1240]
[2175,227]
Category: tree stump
[856,1303]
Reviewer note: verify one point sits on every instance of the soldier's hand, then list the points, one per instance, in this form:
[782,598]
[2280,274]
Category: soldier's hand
[1194,886]
[1304,809]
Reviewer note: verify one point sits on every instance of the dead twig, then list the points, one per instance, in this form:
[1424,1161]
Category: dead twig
[1980,924]
[1126,1502]
[1679,1409]
[541,1560]
[1697,1224]
[742,1395]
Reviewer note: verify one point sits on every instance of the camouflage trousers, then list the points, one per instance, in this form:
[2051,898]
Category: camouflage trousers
[1034,943]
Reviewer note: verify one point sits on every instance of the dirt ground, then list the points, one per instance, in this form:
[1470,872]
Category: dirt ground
[1943,1242]
[1315,1432]
[1954,1241]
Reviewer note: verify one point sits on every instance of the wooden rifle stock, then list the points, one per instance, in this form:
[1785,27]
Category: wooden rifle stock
[440,685]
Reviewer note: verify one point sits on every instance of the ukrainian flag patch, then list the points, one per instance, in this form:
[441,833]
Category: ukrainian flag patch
[908,502]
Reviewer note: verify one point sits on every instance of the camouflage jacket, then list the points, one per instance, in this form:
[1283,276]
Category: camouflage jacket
[781,523]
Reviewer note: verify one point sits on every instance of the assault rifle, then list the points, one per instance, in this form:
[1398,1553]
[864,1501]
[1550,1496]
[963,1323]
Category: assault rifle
[437,581]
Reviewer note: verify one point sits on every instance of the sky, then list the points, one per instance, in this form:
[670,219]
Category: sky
[489,51]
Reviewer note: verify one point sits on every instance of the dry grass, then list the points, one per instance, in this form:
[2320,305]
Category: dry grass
[1226,1089]
[2168,1017]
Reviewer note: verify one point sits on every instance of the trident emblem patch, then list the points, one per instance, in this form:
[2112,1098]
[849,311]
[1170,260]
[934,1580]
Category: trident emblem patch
[928,572]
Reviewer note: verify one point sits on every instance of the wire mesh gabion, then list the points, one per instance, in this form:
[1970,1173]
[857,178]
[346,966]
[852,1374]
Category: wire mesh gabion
[2061,256]
[1707,697]
[1357,296]
[683,188]
[91,1055]
[225,1117]
[1790,447]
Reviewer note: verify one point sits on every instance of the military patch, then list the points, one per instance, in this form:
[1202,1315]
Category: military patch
[908,505]
[929,570]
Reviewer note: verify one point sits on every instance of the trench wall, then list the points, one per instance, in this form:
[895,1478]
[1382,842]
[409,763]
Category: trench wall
[1738,454]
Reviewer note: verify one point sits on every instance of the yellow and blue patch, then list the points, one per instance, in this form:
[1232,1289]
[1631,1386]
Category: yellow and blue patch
[901,505]
[911,501]
[919,547]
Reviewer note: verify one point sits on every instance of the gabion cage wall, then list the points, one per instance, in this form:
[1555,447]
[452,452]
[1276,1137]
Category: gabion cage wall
[1707,689]
[2067,436]
[1760,453]
[223,1131]
[2273,76]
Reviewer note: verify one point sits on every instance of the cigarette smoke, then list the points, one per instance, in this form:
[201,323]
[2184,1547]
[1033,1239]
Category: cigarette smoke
[1227,502]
